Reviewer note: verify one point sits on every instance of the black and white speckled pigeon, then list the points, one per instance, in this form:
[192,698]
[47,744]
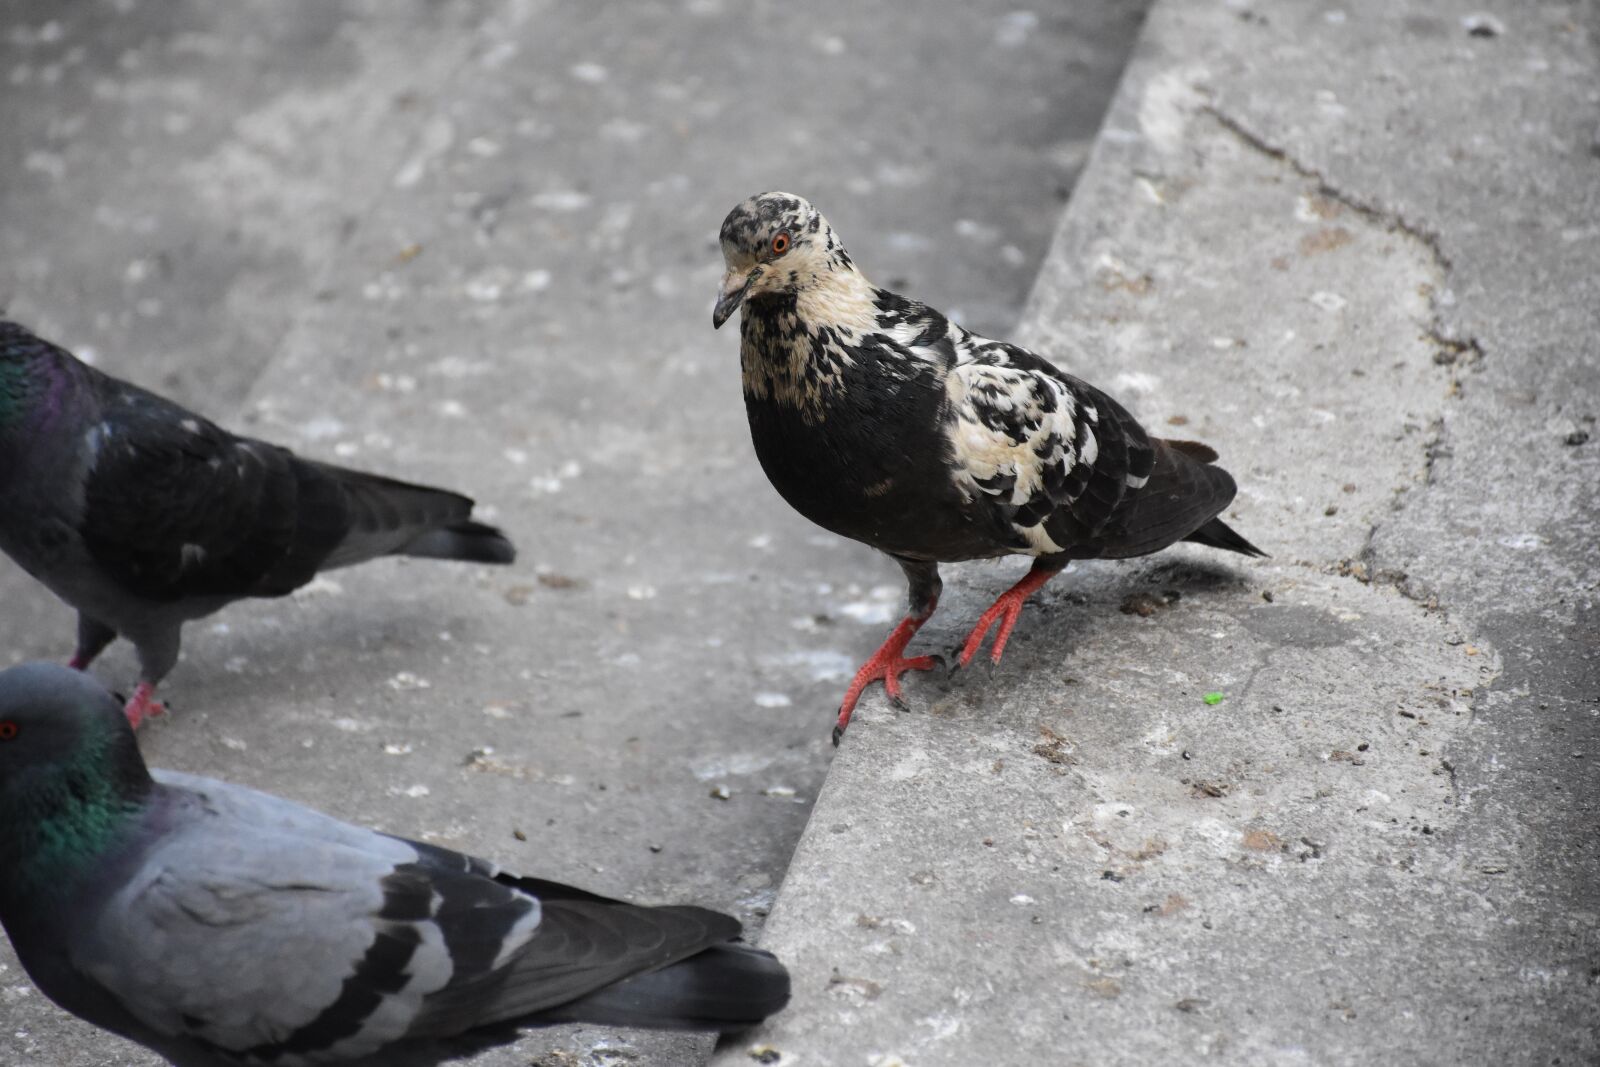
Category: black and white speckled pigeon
[143,515]
[223,927]
[878,418]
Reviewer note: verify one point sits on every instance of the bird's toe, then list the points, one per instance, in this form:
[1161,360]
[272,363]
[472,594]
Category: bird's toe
[956,671]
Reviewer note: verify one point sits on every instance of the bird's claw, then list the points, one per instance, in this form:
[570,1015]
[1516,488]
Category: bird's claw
[892,689]
[886,665]
[143,705]
[137,717]
[963,667]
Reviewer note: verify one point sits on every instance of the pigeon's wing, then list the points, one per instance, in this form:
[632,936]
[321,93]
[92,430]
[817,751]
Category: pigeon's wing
[1185,493]
[1046,457]
[273,934]
[583,943]
[176,507]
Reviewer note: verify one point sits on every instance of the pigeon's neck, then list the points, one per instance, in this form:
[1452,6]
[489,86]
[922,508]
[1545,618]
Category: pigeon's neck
[839,298]
[59,820]
[35,389]
[796,348]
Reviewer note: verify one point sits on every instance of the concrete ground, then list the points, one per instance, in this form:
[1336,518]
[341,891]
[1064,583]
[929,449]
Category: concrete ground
[475,244]
[1355,248]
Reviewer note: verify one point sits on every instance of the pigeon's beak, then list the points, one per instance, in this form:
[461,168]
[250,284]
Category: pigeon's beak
[734,286]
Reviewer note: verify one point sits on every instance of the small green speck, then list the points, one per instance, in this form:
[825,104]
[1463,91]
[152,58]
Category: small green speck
[1212,698]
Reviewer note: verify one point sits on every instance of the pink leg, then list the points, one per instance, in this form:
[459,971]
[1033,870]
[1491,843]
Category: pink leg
[888,664]
[1006,609]
[143,705]
[78,662]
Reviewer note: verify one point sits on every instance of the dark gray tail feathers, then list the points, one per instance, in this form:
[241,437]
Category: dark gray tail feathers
[725,988]
[474,542]
[1218,534]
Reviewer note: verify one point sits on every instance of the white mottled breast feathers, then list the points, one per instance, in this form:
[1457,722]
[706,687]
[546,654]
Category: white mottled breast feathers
[797,356]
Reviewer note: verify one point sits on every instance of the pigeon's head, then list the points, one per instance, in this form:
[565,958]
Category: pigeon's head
[60,727]
[774,243]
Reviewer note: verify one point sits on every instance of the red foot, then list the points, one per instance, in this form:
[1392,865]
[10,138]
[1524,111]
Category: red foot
[143,705]
[1008,608]
[886,664]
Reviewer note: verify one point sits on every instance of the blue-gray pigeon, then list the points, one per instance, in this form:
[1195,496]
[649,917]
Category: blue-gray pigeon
[879,419]
[224,927]
[143,515]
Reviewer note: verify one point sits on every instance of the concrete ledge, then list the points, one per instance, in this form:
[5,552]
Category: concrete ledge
[1079,860]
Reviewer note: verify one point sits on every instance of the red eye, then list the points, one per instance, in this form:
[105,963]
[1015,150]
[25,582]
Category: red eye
[8,730]
[780,244]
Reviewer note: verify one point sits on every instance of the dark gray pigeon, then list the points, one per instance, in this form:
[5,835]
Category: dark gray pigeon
[221,927]
[143,515]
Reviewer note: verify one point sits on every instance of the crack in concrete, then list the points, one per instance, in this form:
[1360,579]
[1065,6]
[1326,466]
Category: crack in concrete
[1453,348]
[1456,353]
[1387,218]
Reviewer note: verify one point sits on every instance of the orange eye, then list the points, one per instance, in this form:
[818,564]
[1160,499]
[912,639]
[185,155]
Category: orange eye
[780,244]
[8,730]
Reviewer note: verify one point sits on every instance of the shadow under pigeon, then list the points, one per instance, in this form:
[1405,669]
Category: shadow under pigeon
[1078,608]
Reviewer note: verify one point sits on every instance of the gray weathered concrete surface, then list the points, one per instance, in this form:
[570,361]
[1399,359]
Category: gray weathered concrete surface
[1355,249]
[178,176]
[475,244]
